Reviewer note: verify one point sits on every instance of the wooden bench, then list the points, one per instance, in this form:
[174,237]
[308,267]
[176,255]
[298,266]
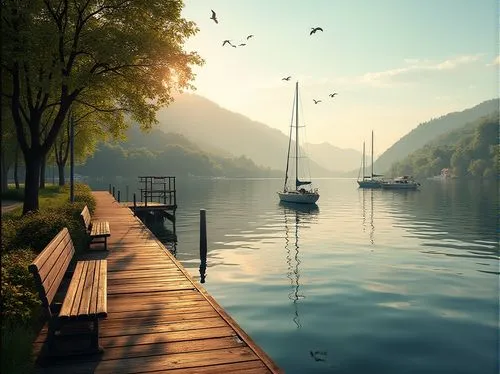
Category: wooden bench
[95,229]
[86,296]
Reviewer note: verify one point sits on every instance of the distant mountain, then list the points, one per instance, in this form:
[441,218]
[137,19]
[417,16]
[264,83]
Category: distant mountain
[205,122]
[428,131]
[159,153]
[334,158]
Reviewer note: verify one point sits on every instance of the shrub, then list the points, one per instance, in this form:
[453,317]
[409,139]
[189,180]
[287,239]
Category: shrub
[13,194]
[20,300]
[36,229]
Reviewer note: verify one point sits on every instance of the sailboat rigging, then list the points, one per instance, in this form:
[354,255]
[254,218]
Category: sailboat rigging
[370,181]
[300,194]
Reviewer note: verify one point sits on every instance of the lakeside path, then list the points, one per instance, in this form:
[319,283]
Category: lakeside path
[159,318]
[8,205]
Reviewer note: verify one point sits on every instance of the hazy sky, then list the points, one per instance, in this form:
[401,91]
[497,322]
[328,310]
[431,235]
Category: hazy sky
[394,63]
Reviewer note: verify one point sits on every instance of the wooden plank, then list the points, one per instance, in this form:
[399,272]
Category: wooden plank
[95,289]
[54,278]
[102,289]
[84,307]
[157,363]
[67,305]
[79,290]
[172,336]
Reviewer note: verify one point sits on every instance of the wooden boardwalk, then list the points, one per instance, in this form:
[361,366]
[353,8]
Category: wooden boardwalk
[159,318]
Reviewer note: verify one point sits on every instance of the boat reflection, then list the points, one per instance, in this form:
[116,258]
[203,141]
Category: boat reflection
[294,215]
[368,194]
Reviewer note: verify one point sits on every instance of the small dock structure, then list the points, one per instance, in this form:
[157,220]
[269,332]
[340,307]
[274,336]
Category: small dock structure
[158,198]
[160,319]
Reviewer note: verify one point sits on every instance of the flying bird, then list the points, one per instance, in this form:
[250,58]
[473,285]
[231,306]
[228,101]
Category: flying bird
[227,41]
[242,45]
[214,17]
[316,101]
[249,36]
[286,79]
[333,94]
[314,29]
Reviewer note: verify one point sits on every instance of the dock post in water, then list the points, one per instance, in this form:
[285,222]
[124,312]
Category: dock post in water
[118,195]
[135,205]
[113,191]
[203,245]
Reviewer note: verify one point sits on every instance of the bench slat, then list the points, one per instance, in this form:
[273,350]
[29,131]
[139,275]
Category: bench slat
[86,217]
[100,229]
[102,300]
[51,264]
[72,288]
[77,296]
[95,291]
[87,290]
[55,279]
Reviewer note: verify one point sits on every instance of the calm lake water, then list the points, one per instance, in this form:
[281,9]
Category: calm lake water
[370,281]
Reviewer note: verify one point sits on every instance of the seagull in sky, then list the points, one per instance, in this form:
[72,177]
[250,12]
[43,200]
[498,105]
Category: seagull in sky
[249,36]
[316,101]
[214,17]
[333,94]
[314,29]
[287,78]
[242,45]
[227,41]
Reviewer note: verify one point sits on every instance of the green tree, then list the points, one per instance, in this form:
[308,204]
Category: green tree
[113,56]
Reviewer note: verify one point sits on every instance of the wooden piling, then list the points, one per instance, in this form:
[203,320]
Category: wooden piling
[203,237]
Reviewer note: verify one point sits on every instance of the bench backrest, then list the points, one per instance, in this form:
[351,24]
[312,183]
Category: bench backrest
[86,217]
[49,266]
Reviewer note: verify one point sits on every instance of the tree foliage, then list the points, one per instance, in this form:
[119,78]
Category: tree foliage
[114,57]
[472,151]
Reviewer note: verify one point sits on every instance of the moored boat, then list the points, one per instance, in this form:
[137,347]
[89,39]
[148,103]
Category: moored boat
[301,192]
[404,182]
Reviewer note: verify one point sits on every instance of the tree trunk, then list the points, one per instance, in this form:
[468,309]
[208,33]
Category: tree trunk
[31,182]
[62,179]
[43,163]
[5,172]
[16,164]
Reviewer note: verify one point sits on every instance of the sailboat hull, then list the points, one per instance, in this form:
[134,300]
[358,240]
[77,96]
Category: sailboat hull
[370,184]
[299,197]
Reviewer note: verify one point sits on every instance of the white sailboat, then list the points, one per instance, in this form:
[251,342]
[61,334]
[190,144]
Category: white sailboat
[302,192]
[372,180]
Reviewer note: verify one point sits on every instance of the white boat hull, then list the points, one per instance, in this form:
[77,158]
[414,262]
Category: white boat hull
[298,197]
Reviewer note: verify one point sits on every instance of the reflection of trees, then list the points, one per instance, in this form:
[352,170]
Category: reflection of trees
[463,210]
[293,215]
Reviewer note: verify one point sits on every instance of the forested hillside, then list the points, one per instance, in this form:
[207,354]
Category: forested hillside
[472,151]
[167,154]
[429,131]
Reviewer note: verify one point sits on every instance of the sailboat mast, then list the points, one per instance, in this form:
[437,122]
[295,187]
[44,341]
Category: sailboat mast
[363,160]
[296,134]
[372,154]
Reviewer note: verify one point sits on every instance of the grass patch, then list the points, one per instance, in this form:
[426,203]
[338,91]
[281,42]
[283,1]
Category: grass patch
[23,237]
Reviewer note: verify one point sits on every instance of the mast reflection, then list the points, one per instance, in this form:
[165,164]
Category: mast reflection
[294,214]
[363,214]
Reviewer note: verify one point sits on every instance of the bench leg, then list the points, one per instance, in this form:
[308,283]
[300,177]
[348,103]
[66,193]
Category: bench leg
[94,338]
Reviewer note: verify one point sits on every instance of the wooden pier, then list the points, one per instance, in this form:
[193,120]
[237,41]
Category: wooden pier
[159,318]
